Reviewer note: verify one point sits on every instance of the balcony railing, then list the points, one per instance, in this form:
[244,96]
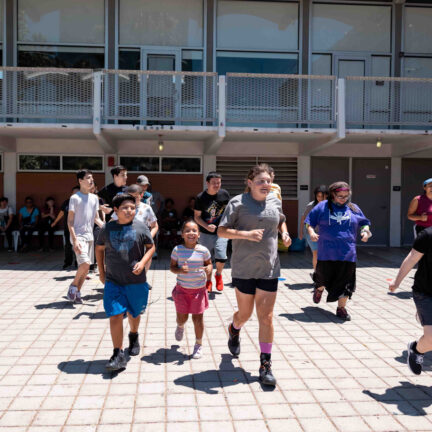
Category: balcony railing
[41,95]
[280,100]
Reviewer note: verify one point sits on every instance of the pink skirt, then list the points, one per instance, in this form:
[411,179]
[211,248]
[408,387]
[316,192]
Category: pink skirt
[190,301]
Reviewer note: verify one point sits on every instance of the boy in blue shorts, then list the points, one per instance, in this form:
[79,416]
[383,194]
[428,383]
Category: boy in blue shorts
[123,249]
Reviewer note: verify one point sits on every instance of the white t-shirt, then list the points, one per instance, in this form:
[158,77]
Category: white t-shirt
[85,207]
[144,214]
[4,214]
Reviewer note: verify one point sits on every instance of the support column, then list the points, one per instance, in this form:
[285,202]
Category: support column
[9,177]
[395,202]
[209,164]
[303,178]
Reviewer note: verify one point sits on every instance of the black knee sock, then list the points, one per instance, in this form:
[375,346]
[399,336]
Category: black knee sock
[415,349]
[265,357]
[133,336]
[116,351]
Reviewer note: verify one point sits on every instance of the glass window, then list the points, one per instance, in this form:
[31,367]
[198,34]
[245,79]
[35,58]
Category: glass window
[74,163]
[418,30]
[62,57]
[192,61]
[1,19]
[129,59]
[42,163]
[417,67]
[163,23]
[140,164]
[61,21]
[321,64]
[253,62]
[172,164]
[257,25]
[337,27]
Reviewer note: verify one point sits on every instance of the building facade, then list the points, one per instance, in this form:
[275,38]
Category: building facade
[322,90]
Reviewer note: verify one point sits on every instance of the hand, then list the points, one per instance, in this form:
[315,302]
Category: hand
[314,237]
[208,270]
[138,268]
[77,248]
[53,225]
[105,208]
[184,269]
[211,228]
[393,287]
[286,239]
[364,236]
[424,217]
[255,235]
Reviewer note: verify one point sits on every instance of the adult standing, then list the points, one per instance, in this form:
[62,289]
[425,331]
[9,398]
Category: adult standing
[339,221]
[252,220]
[420,208]
[320,194]
[119,174]
[143,181]
[209,207]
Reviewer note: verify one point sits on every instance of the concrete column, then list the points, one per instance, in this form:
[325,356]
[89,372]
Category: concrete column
[9,177]
[395,202]
[209,164]
[303,178]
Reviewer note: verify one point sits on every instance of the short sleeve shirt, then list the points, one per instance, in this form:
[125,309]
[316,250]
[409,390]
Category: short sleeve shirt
[143,214]
[211,208]
[423,276]
[254,260]
[84,207]
[194,258]
[124,247]
[25,213]
[5,214]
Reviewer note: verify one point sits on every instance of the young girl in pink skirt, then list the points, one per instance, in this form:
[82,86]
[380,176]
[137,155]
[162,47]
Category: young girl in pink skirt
[191,263]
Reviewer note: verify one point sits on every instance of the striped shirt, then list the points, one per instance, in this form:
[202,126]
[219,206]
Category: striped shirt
[194,258]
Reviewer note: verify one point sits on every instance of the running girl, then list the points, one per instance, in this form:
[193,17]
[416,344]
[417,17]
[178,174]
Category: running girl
[192,264]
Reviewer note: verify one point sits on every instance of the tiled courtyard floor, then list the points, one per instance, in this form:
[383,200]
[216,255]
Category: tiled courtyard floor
[331,376]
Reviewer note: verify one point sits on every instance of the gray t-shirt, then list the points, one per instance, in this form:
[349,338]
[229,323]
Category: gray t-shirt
[85,207]
[252,260]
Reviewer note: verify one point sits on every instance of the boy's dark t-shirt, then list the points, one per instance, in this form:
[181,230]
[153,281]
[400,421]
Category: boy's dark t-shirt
[108,193]
[211,207]
[124,247]
[423,276]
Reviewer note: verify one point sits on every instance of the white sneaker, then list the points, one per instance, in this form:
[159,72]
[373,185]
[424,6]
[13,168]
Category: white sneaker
[197,352]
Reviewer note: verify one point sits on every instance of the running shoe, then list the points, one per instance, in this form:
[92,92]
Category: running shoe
[134,346]
[209,286]
[197,352]
[179,333]
[71,294]
[234,342]
[265,374]
[343,314]
[219,282]
[317,295]
[414,360]
[116,362]
[78,299]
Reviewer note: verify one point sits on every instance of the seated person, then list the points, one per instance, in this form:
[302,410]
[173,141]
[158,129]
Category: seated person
[169,224]
[28,220]
[6,221]
[188,212]
[48,216]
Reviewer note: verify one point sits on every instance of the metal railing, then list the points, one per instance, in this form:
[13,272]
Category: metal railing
[50,95]
[280,100]
[157,97]
[386,102]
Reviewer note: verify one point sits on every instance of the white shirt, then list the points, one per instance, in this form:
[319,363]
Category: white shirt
[144,213]
[84,207]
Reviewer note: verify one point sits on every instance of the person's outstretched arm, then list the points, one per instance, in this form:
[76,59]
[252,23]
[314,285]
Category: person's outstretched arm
[408,264]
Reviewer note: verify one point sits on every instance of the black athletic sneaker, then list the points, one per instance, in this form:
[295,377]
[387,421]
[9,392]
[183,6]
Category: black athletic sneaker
[134,346]
[414,360]
[234,342]
[116,362]
[265,374]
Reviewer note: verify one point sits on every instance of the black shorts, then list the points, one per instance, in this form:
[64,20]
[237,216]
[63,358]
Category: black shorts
[249,286]
[423,304]
[338,278]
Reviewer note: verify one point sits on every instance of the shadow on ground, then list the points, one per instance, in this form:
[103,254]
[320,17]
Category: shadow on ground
[91,367]
[299,286]
[313,314]
[403,295]
[91,315]
[410,399]
[66,304]
[166,355]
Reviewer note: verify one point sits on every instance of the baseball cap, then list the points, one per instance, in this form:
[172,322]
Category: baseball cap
[142,180]
[429,180]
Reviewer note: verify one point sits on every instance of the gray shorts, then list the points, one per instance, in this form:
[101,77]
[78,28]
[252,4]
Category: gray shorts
[87,252]
[423,304]
[216,245]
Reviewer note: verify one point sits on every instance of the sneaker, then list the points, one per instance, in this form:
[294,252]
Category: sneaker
[234,342]
[179,333]
[343,314]
[414,361]
[317,295]
[134,346]
[265,374]
[197,352]
[71,294]
[209,286]
[78,299]
[219,282]
[116,362]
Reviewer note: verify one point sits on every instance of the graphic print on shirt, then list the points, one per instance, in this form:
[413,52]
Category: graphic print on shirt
[215,211]
[123,240]
[340,217]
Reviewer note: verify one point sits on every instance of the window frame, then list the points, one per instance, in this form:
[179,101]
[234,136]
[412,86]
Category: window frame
[60,170]
[200,172]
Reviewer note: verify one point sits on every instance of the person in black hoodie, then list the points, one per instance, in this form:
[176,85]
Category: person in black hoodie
[118,185]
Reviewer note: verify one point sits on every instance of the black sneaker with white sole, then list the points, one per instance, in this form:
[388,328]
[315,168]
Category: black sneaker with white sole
[234,341]
[414,360]
[117,361]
